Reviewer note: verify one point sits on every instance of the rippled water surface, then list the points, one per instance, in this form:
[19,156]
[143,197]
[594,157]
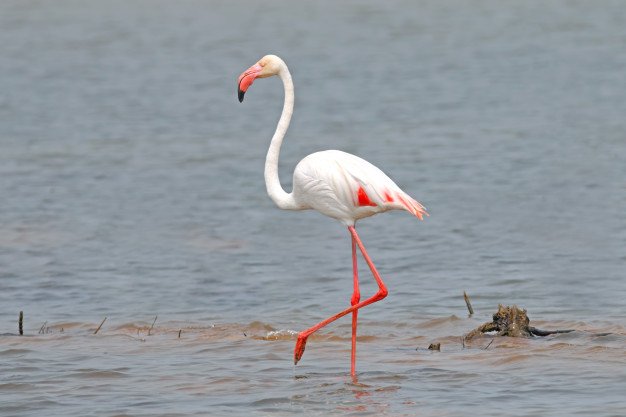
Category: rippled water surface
[131,188]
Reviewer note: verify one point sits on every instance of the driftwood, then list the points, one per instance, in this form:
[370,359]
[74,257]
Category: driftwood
[512,322]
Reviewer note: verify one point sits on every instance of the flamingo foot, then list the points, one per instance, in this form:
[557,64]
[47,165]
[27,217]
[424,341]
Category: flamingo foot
[299,351]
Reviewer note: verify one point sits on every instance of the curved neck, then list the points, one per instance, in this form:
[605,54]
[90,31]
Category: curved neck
[282,199]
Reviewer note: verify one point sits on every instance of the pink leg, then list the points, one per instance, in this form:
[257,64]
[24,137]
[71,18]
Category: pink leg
[356,297]
[382,293]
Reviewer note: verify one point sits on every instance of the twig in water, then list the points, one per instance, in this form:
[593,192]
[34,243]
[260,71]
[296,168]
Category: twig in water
[179,332]
[19,323]
[467,302]
[435,346]
[489,344]
[150,329]
[103,320]
[43,326]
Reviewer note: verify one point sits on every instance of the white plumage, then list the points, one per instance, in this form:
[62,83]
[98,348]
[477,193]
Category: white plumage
[347,188]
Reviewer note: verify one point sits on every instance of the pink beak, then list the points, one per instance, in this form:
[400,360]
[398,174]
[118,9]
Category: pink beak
[246,79]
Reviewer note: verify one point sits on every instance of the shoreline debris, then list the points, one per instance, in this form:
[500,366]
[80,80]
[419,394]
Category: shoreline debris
[513,322]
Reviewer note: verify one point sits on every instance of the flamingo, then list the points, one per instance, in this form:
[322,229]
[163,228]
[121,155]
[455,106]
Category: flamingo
[335,183]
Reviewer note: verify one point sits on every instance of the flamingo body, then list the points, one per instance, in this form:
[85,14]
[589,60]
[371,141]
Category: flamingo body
[335,183]
[347,188]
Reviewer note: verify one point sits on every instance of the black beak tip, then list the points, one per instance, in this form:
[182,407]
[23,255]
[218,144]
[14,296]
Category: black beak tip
[240,94]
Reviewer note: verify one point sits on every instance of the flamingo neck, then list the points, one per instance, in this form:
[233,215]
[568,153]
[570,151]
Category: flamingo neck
[276,192]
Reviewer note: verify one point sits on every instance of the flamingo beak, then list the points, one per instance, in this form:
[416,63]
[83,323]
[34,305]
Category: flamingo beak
[246,79]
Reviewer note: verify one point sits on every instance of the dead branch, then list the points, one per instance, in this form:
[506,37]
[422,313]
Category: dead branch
[512,322]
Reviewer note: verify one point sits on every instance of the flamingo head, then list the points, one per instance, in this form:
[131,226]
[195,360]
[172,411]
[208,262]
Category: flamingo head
[267,66]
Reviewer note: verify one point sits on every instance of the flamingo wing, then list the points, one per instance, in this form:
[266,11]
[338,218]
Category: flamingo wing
[346,187]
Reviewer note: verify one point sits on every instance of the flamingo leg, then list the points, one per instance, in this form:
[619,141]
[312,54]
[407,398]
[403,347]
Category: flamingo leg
[380,294]
[356,297]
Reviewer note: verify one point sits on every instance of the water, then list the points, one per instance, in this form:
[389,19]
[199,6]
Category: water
[131,183]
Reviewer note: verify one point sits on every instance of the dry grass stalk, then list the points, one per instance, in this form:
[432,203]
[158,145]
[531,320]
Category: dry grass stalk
[467,302]
[98,329]
[150,329]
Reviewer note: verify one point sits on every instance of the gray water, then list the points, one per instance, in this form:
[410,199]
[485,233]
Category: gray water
[131,187]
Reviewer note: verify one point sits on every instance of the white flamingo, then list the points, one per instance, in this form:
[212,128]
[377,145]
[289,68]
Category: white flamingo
[335,183]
